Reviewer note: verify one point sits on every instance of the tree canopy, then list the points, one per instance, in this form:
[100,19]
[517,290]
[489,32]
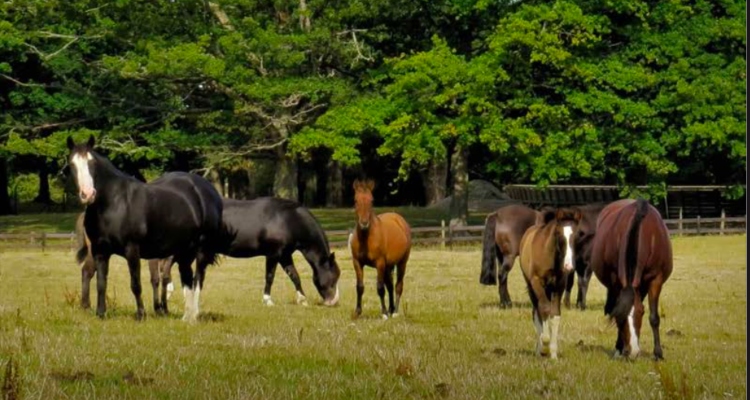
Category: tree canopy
[612,92]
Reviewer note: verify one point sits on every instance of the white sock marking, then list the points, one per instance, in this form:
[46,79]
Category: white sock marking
[188,294]
[634,348]
[196,302]
[555,327]
[301,299]
[267,300]
[170,289]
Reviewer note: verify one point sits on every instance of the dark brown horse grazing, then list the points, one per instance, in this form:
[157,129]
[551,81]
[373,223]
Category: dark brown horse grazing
[632,257]
[584,236]
[547,260]
[503,231]
[159,269]
[381,241]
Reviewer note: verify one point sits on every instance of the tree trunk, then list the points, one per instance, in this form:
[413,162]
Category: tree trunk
[285,179]
[310,188]
[216,180]
[459,210]
[435,179]
[43,196]
[335,185]
[5,207]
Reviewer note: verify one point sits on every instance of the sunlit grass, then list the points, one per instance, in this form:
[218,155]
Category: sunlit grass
[451,340]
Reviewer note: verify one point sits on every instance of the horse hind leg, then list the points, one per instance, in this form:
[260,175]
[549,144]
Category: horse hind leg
[400,272]
[583,287]
[389,287]
[288,264]
[654,319]
[271,263]
[153,269]
[134,265]
[186,278]
[88,269]
[506,264]
[570,280]
[381,288]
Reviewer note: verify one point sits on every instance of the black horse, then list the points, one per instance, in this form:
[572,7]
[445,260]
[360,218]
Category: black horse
[178,214]
[276,228]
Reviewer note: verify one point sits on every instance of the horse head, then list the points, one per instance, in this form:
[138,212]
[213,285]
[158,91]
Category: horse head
[563,223]
[81,161]
[326,277]
[363,203]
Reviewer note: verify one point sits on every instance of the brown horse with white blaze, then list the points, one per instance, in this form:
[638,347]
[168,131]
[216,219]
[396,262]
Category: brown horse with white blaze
[381,241]
[546,260]
[632,257]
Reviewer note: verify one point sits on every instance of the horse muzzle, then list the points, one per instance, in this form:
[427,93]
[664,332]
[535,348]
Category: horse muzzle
[87,196]
[364,225]
[332,302]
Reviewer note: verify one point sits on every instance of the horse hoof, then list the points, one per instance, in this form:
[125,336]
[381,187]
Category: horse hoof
[385,317]
[394,315]
[139,316]
[267,300]
[301,299]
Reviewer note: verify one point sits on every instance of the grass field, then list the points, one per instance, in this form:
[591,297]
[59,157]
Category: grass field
[451,340]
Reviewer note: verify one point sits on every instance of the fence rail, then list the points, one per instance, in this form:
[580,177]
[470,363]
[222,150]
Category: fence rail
[444,236]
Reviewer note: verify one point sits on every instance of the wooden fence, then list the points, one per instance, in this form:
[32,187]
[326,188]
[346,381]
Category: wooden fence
[443,236]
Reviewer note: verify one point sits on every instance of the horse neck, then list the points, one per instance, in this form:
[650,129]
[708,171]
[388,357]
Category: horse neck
[374,229]
[316,251]
[108,175]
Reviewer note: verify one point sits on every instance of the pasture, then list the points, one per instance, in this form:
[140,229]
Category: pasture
[451,340]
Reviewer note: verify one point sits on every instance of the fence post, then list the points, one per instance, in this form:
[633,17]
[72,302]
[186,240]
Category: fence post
[44,241]
[442,234]
[450,237]
[679,223]
[699,224]
[723,221]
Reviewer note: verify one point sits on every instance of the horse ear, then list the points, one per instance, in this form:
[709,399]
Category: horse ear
[332,257]
[71,143]
[548,215]
[577,214]
[91,142]
[356,185]
[370,184]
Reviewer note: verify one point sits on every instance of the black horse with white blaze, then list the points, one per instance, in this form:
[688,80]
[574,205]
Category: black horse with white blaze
[178,214]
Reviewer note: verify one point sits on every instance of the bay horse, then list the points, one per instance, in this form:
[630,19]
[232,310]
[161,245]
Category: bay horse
[178,214]
[158,269]
[276,228]
[631,255]
[503,230]
[584,236]
[382,241]
[547,260]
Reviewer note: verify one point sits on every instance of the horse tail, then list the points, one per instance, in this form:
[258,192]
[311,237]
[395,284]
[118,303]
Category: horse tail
[627,264]
[488,276]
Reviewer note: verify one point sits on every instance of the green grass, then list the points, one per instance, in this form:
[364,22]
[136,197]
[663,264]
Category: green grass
[329,218]
[451,340]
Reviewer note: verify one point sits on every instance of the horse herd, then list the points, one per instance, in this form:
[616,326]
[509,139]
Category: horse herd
[180,218]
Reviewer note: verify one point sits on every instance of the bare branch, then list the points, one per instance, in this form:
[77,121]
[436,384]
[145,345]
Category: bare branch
[221,16]
[19,83]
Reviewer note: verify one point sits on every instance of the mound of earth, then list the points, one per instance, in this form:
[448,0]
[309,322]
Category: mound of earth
[483,197]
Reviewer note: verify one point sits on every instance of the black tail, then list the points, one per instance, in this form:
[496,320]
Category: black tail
[628,264]
[488,275]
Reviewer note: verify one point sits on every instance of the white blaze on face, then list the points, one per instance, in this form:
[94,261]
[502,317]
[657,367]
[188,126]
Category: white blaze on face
[83,176]
[568,260]
[634,348]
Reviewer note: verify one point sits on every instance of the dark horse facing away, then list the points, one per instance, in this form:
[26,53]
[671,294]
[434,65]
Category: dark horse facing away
[178,214]
[276,228]
[547,260]
[503,231]
[381,241]
[584,236]
[632,257]
[159,270]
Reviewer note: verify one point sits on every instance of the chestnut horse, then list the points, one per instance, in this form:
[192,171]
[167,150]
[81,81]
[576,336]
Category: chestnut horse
[632,257]
[547,260]
[381,241]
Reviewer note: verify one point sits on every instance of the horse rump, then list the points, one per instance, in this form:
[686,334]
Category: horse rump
[628,264]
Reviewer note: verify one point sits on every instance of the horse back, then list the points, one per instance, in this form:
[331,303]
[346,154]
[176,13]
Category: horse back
[511,224]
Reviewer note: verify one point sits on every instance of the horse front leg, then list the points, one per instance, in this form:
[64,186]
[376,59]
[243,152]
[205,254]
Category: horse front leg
[541,317]
[88,269]
[388,280]
[653,318]
[288,264]
[360,274]
[102,271]
[132,254]
[583,287]
[400,272]
[201,264]
[380,266]
[167,287]
[153,269]
[554,320]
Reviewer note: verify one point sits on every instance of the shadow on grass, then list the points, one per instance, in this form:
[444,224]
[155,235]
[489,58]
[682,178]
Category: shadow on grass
[496,305]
